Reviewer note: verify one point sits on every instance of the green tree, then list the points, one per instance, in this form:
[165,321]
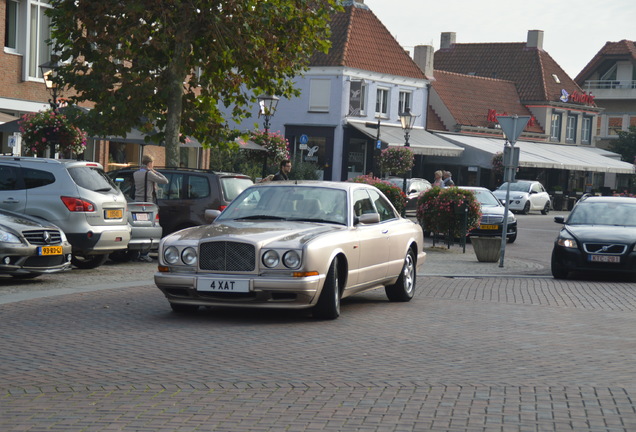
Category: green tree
[625,145]
[172,62]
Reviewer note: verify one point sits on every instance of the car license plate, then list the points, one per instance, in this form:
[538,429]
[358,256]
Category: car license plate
[114,214]
[605,258]
[222,285]
[488,227]
[50,250]
[140,216]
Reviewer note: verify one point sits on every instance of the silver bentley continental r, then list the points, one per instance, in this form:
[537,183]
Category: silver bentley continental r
[293,244]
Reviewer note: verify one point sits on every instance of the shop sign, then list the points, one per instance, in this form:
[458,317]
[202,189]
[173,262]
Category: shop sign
[584,98]
[493,114]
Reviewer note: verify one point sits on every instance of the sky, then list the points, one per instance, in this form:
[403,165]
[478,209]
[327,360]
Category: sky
[574,31]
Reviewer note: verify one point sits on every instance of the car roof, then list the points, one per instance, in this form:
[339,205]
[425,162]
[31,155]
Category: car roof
[183,169]
[38,160]
[620,199]
[315,183]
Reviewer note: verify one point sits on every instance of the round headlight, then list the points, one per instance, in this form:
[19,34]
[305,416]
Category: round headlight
[271,259]
[171,255]
[189,256]
[291,259]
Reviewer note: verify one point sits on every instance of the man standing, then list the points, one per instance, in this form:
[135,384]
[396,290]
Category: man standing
[285,169]
[146,180]
[448,179]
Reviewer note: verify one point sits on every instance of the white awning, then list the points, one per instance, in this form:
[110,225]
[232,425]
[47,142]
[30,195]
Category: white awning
[422,142]
[543,155]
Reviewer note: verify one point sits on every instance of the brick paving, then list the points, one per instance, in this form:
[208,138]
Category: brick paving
[503,353]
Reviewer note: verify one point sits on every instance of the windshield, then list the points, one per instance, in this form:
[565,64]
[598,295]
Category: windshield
[603,213]
[486,198]
[516,186]
[303,203]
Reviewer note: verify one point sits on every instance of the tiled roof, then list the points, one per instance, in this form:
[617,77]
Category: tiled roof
[433,122]
[469,98]
[360,40]
[612,51]
[531,69]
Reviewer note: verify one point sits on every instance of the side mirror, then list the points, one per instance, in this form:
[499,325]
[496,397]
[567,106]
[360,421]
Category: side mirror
[211,215]
[368,218]
[559,219]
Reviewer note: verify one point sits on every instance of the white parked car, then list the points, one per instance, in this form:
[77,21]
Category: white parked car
[525,195]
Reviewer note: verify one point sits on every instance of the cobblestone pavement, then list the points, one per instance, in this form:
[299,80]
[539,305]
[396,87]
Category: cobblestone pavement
[496,349]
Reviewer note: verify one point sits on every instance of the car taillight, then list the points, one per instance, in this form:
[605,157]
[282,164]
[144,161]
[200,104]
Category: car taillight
[78,205]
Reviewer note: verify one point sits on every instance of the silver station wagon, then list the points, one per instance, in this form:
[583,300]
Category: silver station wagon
[296,245]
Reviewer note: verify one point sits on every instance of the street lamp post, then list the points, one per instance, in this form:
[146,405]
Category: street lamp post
[49,72]
[267,107]
[408,121]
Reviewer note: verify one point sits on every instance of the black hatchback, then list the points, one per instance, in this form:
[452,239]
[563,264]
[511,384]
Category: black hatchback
[188,194]
[599,235]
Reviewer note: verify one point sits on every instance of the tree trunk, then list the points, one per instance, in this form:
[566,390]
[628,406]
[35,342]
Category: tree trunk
[176,75]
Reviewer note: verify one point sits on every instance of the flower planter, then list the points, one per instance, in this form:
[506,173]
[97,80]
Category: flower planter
[487,249]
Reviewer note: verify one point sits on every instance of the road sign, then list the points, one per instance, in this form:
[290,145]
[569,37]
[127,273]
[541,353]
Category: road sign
[513,126]
[304,139]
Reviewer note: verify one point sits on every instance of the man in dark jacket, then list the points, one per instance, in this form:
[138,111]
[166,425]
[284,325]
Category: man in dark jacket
[285,169]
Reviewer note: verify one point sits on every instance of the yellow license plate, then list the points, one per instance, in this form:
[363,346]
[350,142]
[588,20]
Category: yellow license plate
[50,250]
[114,214]
[489,227]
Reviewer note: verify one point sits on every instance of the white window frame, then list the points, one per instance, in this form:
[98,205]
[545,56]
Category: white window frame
[38,27]
[382,95]
[555,126]
[570,128]
[319,95]
[586,130]
[363,99]
[12,18]
[405,101]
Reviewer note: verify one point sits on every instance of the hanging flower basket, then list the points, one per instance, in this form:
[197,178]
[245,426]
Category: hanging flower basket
[41,129]
[396,160]
[441,210]
[275,143]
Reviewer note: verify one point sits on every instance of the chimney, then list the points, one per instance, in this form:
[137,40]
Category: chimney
[423,57]
[448,39]
[535,39]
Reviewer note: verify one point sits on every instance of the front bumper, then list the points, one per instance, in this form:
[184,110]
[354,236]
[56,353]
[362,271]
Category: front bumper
[21,260]
[478,232]
[265,291]
[573,259]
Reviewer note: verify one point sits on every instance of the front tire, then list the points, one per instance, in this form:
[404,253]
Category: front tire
[328,306]
[512,238]
[558,271]
[88,261]
[404,288]
[526,208]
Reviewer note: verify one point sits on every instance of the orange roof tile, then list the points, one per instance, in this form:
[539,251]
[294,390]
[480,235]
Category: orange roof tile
[360,40]
[531,69]
[469,98]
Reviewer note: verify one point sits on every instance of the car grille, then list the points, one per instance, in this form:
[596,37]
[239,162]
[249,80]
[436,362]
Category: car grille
[491,219]
[39,237]
[227,256]
[605,248]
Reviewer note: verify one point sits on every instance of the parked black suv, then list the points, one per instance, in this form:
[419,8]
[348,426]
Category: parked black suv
[188,194]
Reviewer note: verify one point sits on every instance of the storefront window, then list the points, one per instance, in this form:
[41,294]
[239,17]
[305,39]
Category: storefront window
[357,158]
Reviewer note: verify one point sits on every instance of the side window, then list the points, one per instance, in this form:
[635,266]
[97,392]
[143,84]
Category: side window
[383,206]
[174,188]
[362,203]
[36,178]
[198,187]
[127,186]
[8,177]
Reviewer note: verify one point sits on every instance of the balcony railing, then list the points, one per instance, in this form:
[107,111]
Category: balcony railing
[609,84]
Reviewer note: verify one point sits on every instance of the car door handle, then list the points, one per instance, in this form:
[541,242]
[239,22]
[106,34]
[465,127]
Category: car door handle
[386,231]
[11,201]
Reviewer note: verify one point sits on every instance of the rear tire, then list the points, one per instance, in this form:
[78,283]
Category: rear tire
[546,209]
[404,288]
[88,261]
[328,306]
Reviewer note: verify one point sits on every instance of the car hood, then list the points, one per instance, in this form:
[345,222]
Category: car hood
[269,232]
[18,222]
[603,233]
